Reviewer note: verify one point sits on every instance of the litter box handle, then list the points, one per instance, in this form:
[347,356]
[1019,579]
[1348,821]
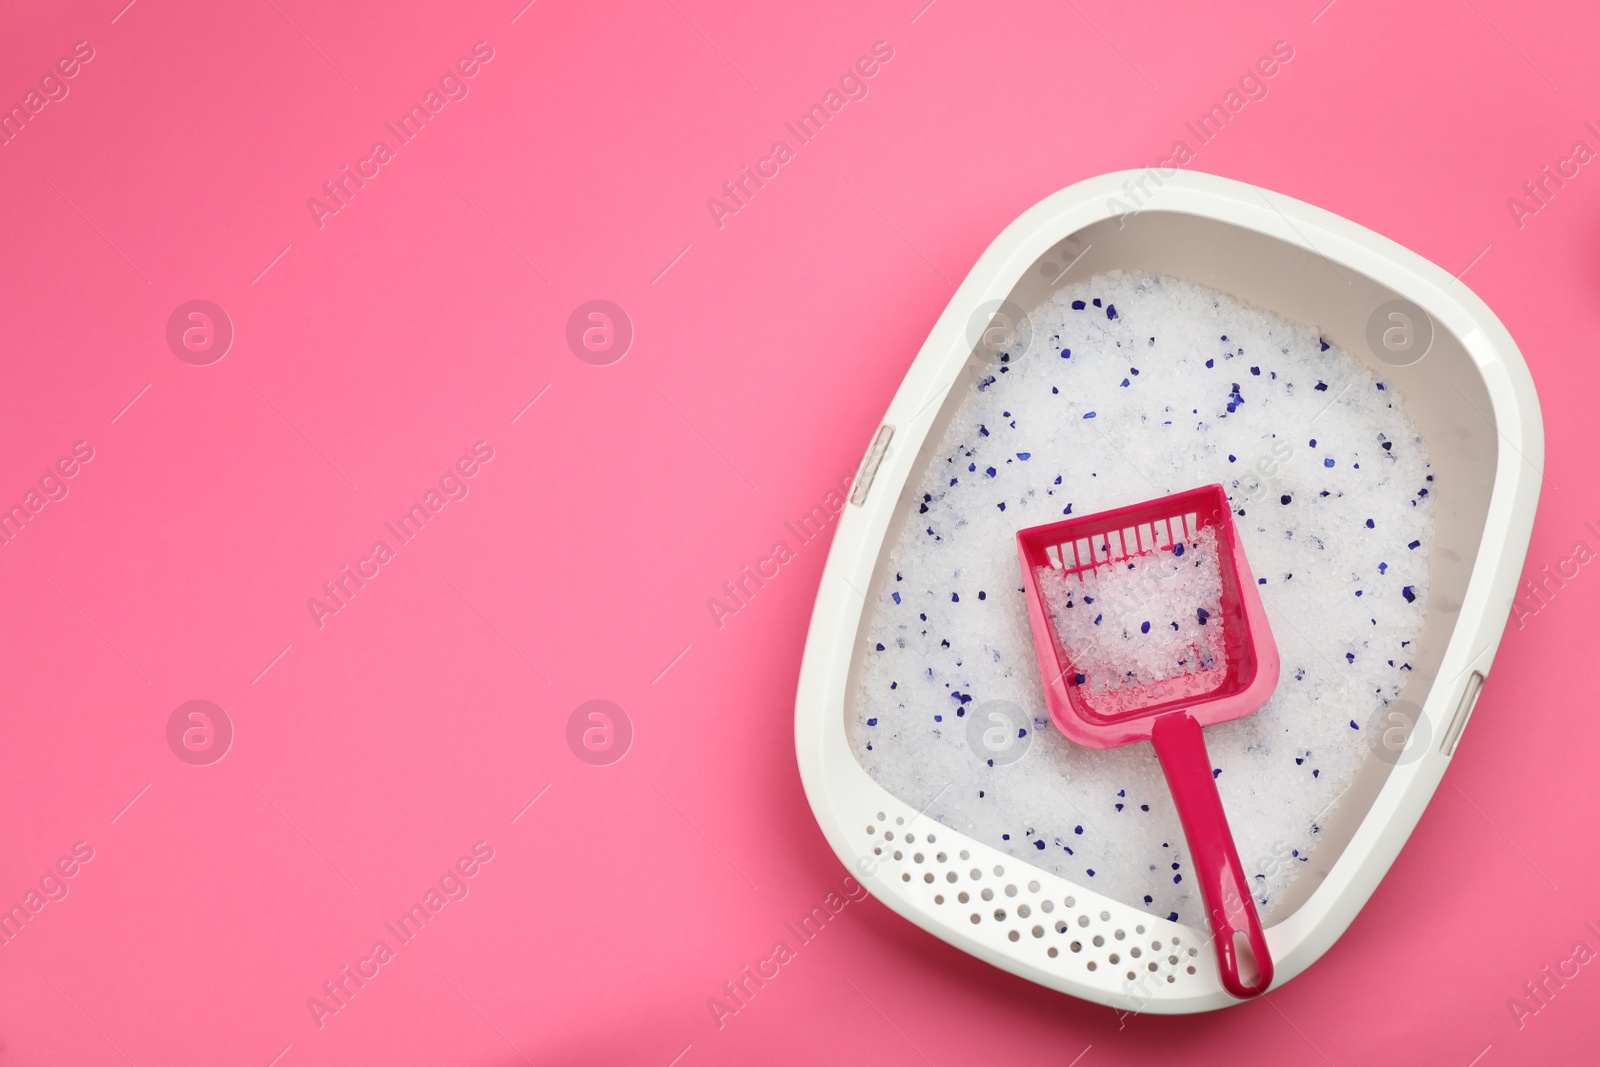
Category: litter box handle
[1181,748]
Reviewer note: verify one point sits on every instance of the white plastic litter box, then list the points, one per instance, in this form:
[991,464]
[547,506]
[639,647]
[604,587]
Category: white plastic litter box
[1467,388]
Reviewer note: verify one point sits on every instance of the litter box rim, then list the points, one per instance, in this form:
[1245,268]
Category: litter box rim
[843,797]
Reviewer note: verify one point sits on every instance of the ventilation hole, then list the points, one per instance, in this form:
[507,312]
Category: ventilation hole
[1134,952]
[1171,979]
[950,876]
[1105,916]
[1011,890]
[1152,967]
[938,898]
[1157,946]
[962,896]
[965,854]
[1033,887]
[888,835]
[899,820]
[1190,968]
[1098,941]
[1023,910]
[916,856]
[1061,927]
[872,829]
[999,915]
[1091,965]
[1047,906]
[987,894]
[1012,936]
[1172,960]
[899,855]
[976,918]
[1070,902]
[882,816]
[1083,920]
[1194,952]
[998,871]
[928,878]
[1174,942]
[1130,976]
[1077,946]
[931,838]
[877,850]
[1115,959]
[941,857]
[1051,952]
[911,839]
[905,877]
[1139,929]
[976,874]
[1119,935]
[1038,931]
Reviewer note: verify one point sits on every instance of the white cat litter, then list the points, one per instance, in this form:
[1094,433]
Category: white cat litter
[1141,620]
[1136,386]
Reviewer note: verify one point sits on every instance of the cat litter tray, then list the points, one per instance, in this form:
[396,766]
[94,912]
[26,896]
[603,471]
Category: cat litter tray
[1407,324]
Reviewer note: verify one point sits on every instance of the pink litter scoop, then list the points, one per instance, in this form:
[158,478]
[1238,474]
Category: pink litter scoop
[1235,676]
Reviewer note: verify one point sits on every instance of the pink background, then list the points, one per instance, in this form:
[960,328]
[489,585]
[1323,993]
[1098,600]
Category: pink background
[370,354]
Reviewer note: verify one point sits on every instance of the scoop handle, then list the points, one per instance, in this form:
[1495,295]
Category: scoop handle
[1181,748]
